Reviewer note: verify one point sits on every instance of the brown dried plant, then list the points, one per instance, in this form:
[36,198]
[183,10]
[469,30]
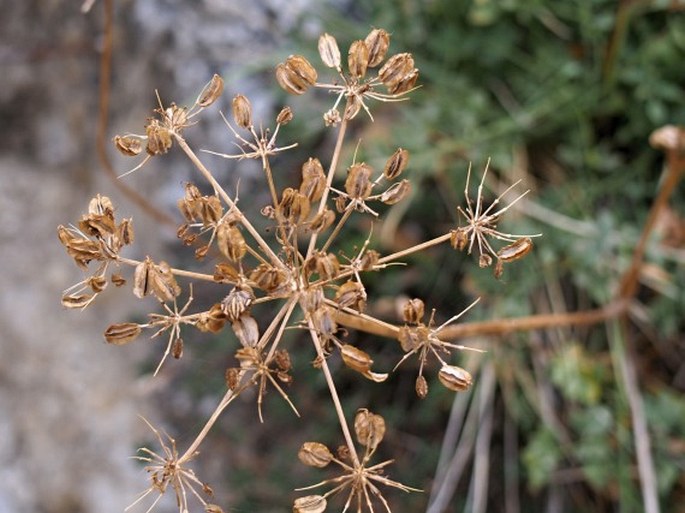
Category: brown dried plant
[295,269]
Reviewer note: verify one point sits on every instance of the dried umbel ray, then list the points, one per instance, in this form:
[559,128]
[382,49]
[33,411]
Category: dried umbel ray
[297,274]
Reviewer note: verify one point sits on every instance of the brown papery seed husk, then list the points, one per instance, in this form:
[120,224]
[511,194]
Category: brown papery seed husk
[455,378]
[129,145]
[315,454]
[484,260]
[226,273]
[313,179]
[285,116]
[213,508]
[406,83]
[515,250]
[329,51]
[162,283]
[396,164]
[301,66]
[377,42]
[290,81]
[355,358]
[310,504]
[413,311]
[358,183]
[122,333]
[322,221]
[247,330]
[242,111]
[177,348]
[231,242]
[76,301]
[397,68]
[421,387]
[396,192]
[358,59]
[211,92]
[369,428]
[459,238]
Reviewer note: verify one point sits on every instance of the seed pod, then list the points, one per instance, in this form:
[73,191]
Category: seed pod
[125,233]
[269,279]
[210,210]
[213,320]
[232,376]
[358,183]
[242,111]
[396,69]
[455,378]
[213,508]
[351,294]
[358,59]
[226,273]
[231,242]
[296,75]
[484,260]
[315,454]
[369,260]
[177,348]
[329,51]
[377,42]
[354,105]
[122,333]
[515,250]
[411,337]
[326,265]
[211,92]
[176,116]
[413,311]
[158,138]
[396,192]
[360,361]
[129,145]
[421,387]
[322,221]
[396,164]
[237,302]
[312,299]
[201,252]
[406,83]
[369,428]
[97,283]
[77,301]
[247,330]
[98,225]
[285,116]
[499,269]
[118,280]
[341,204]
[313,179]
[310,504]
[294,205]
[282,358]
[459,238]
[157,280]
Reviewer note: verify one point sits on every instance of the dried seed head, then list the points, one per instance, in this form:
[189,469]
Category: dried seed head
[129,145]
[326,265]
[310,504]
[237,302]
[282,358]
[231,242]
[668,137]
[499,269]
[247,330]
[269,279]
[396,69]
[358,183]
[242,111]
[355,358]
[455,378]
[97,283]
[122,333]
[396,164]
[421,387]
[312,299]
[296,75]
[484,260]
[515,250]
[158,138]
[313,179]
[77,300]
[285,116]
[211,92]
[377,42]
[358,59]
[118,280]
[125,233]
[396,192]
[351,294]
[329,51]
[413,311]
[315,454]
[213,508]
[322,221]
[369,428]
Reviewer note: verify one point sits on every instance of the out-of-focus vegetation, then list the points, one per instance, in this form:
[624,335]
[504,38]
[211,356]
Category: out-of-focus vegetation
[562,95]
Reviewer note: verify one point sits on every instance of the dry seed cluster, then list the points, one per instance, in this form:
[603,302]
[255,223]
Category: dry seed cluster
[299,269]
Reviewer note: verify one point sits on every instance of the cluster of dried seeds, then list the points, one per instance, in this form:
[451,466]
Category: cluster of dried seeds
[298,269]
